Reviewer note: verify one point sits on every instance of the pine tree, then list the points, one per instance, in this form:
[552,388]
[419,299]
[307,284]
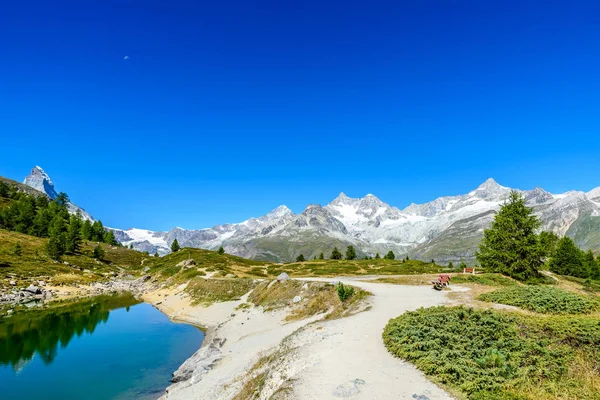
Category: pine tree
[450,265]
[595,269]
[433,261]
[97,232]
[377,256]
[548,241]
[86,230]
[390,255]
[321,256]
[73,238]
[98,252]
[156,254]
[511,246]
[109,238]
[57,226]
[590,261]
[175,246]
[221,250]
[300,258]
[55,247]
[350,253]
[568,259]
[462,265]
[335,254]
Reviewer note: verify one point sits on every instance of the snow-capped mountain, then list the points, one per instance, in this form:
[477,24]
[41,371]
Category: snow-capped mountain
[39,180]
[446,229]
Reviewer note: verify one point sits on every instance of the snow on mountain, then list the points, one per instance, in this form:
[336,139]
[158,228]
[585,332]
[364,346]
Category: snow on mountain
[594,195]
[447,228]
[39,180]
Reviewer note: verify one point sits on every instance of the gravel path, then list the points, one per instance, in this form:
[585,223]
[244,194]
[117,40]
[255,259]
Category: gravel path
[346,358]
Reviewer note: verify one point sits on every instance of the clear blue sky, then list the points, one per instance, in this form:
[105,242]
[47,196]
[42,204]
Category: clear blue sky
[225,109]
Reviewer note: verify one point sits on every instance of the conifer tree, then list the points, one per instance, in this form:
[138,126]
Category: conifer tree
[548,242]
[390,255]
[175,246]
[98,252]
[511,246]
[109,238]
[73,239]
[377,256]
[221,250]
[595,269]
[335,254]
[86,230]
[156,254]
[55,247]
[350,253]
[568,259]
[450,265]
[321,256]
[300,258]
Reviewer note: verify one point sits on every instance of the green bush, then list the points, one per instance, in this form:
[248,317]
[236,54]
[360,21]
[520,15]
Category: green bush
[487,354]
[543,299]
[344,292]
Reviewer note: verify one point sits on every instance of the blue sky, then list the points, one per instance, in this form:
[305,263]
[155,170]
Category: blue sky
[225,110]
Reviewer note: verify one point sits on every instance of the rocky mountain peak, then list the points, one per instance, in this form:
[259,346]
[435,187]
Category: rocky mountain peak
[279,212]
[594,195]
[537,196]
[490,189]
[39,180]
[343,199]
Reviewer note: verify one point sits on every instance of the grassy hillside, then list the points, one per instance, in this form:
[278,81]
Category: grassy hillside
[22,187]
[34,263]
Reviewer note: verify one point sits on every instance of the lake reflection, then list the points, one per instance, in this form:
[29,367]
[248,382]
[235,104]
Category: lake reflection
[102,348]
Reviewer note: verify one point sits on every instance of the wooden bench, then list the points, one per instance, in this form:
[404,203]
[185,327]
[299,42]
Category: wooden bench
[469,270]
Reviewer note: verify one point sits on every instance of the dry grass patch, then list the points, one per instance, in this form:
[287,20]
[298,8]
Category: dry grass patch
[317,298]
[206,291]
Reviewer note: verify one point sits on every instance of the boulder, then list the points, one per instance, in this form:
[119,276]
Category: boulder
[230,276]
[297,299]
[34,289]
[283,277]
[13,283]
[187,263]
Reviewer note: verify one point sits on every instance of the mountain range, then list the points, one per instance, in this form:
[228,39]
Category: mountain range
[446,229]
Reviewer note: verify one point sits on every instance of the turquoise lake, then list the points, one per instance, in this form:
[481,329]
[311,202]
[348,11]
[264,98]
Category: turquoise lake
[110,347]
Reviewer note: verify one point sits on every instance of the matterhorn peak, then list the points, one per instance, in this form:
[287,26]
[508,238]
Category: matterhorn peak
[39,180]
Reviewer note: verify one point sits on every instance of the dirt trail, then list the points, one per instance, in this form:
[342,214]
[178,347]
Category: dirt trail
[346,358]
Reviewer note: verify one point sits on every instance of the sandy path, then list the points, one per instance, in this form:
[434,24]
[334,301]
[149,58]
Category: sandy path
[346,358]
[343,358]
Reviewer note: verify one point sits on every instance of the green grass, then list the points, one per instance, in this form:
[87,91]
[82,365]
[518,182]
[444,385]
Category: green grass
[34,263]
[543,299]
[485,354]
[357,267]
[209,261]
[489,279]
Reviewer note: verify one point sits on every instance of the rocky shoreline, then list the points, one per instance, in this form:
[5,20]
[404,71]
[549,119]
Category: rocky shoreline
[40,293]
